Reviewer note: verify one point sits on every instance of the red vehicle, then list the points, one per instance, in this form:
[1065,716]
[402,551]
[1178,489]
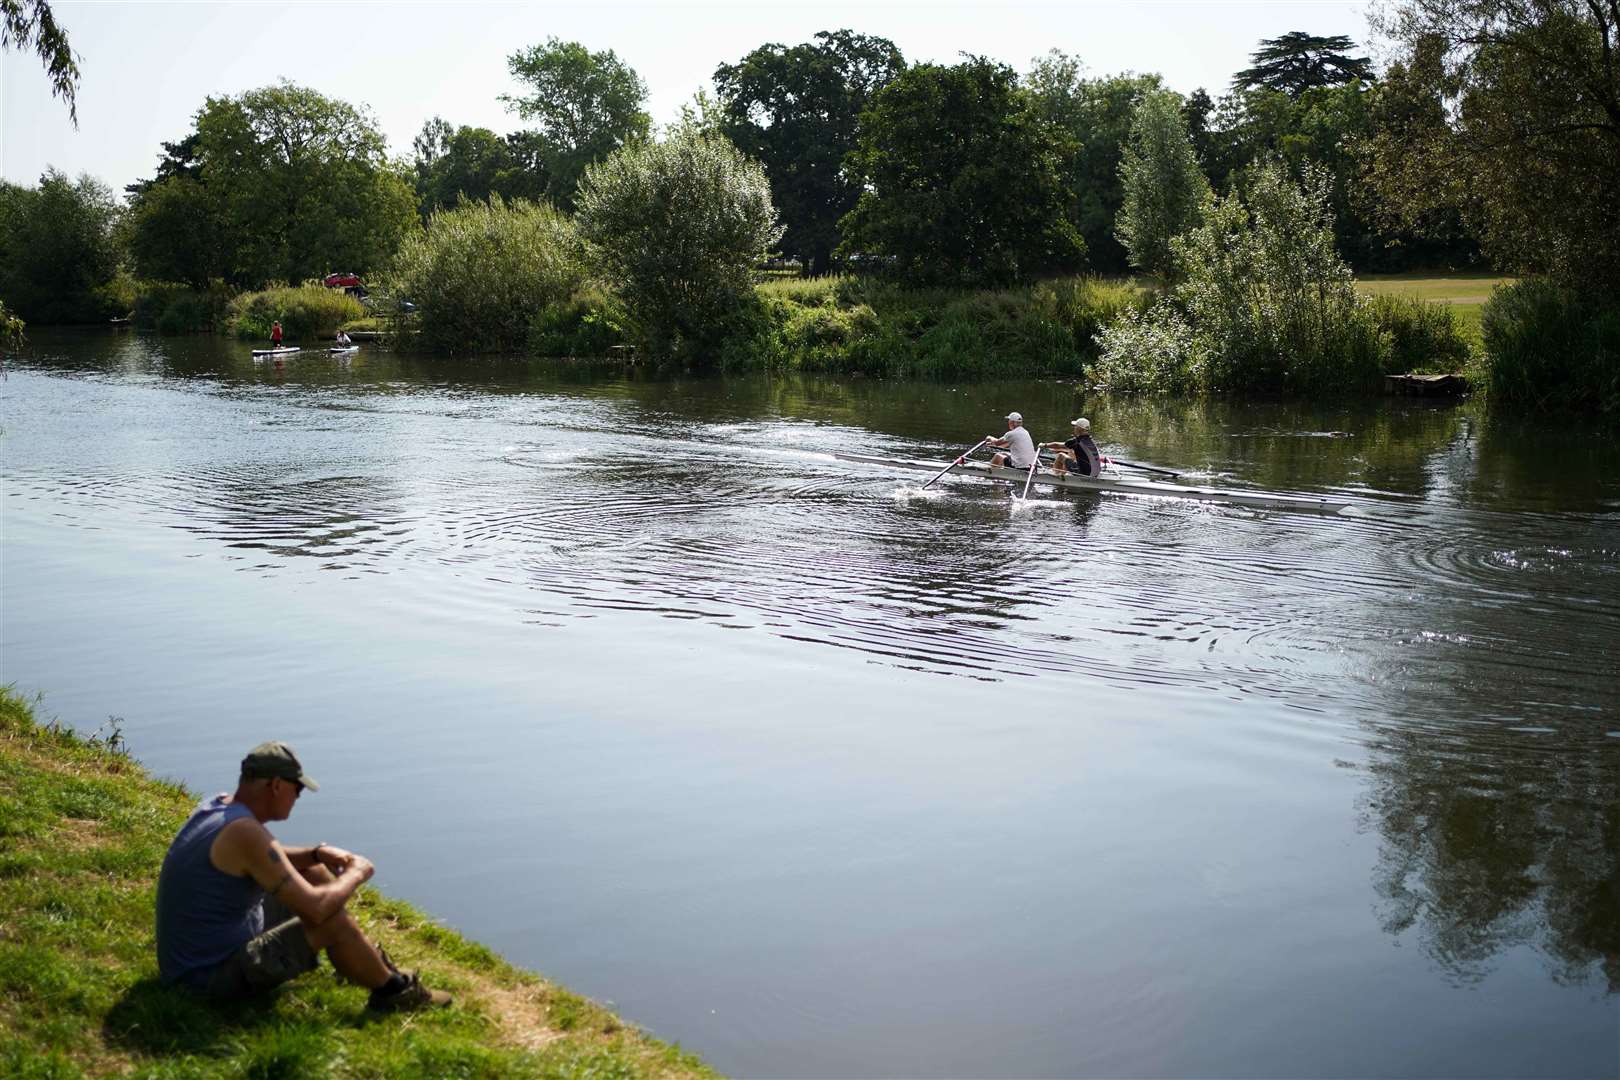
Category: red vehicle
[349,283]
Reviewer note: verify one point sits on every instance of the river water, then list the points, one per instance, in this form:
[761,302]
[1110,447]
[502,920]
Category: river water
[630,679]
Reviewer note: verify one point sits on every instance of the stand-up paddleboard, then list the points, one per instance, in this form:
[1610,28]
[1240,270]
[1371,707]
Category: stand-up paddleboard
[283,351]
[343,350]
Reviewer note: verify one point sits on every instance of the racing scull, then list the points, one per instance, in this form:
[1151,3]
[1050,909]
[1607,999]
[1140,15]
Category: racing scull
[1119,485]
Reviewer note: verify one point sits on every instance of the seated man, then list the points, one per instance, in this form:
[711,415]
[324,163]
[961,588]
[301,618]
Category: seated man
[1079,452]
[1020,447]
[238,914]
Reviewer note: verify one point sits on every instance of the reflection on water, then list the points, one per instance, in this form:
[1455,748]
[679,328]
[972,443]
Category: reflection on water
[1492,839]
[1069,753]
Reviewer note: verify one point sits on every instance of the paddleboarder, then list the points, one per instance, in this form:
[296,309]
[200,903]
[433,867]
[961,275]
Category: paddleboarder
[275,334]
[1019,447]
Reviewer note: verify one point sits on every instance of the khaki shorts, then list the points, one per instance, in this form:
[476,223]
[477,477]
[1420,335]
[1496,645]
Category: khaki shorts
[282,952]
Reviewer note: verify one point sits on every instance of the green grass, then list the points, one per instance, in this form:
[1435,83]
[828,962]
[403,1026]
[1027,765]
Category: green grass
[1465,294]
[83,829]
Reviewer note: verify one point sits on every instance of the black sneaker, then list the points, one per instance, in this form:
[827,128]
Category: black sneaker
[413,995]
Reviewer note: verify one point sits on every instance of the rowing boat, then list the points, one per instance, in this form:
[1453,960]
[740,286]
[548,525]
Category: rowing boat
[1120,485]
[283,351]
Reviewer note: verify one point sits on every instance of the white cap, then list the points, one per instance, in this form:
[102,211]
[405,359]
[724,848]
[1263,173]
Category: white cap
[1083,424]
[1015,417]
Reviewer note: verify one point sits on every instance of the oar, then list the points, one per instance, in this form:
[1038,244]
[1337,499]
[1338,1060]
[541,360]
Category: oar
[955,463]
[1030,479]
[1144,468]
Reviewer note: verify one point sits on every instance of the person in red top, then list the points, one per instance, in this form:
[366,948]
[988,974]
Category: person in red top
[275,334]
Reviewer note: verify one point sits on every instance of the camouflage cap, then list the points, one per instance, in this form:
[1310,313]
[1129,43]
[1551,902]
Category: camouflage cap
[276,759]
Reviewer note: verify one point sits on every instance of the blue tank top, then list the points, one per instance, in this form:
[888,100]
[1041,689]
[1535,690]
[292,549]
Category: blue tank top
[203,914]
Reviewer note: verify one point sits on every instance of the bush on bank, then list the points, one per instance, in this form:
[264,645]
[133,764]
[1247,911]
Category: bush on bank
[870,327]
[83,830]
[306,312]
[1264,304]
[171,308]
[481,274]
[675,229]
[1547,345]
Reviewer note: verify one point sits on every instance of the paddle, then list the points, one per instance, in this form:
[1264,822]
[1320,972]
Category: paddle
[955,463]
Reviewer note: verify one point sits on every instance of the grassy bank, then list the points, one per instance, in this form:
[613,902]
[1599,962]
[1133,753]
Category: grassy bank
[83,829]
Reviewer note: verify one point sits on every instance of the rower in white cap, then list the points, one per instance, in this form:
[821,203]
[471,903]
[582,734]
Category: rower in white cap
[1019,446]
[1078,452]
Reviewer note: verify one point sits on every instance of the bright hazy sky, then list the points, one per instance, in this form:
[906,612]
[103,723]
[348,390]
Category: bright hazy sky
[148,66]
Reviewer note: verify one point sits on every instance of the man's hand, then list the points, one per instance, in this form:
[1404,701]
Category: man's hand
[361,865]
[334,859]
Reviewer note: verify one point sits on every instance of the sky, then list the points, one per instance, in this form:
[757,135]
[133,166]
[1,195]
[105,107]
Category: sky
[148,66]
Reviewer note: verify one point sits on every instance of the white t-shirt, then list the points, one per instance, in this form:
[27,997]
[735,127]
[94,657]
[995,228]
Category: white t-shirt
[1020,447]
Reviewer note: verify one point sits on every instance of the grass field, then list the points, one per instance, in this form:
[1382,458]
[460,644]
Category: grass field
[83,830]
[1465,294]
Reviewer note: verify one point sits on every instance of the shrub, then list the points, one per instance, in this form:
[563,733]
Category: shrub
[676,229]
[306,311]
[588,323]
[1262,302]
[1549,346]
[172,308]
[871,326]
[11,330]
[1423,336]
[481,273]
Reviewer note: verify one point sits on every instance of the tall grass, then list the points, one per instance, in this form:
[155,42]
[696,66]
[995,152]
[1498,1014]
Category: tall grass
[306,311]
[1548,346]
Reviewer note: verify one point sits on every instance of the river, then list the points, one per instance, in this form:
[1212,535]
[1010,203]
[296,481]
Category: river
[629,678]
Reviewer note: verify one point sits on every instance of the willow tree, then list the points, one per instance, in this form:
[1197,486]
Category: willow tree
[676,228]
[30,24]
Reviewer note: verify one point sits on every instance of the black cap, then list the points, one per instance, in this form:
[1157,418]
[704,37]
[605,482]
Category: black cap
[276,759]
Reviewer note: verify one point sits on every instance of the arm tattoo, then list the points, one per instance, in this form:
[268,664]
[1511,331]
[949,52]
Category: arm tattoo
[275,856]
[284,879]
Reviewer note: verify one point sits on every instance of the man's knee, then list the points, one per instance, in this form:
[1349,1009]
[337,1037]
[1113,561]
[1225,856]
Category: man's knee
[334,931]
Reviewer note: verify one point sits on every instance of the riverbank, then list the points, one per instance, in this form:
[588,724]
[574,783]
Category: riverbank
[85,828]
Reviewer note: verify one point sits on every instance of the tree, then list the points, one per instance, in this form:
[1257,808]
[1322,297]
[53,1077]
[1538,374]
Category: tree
[962,181]
[1094,118]
[468,163]
[1508,111]
[178,233]
[1165,191]
[1298,61]
[56,248]
[587,105]
[676,228]
[797,109]
[293,185]
[29,24]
